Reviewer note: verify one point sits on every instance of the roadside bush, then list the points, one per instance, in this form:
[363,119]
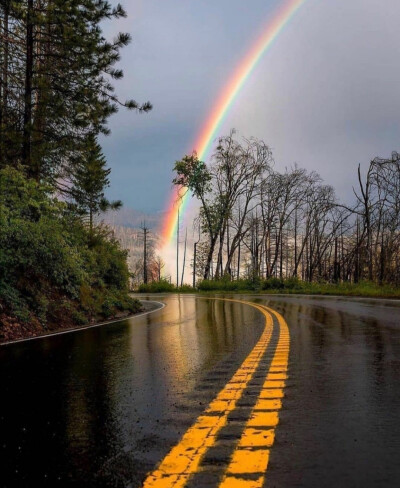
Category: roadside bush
[293,283]
[51,267]
[164,286]
[226,285]
[186,289]
[273,284]
[217,285]
[157,287]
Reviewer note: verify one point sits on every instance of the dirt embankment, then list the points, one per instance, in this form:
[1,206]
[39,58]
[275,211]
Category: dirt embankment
[11,329]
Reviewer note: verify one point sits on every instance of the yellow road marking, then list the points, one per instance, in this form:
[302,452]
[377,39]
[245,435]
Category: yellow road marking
[276,376]
[250,456]
[183,460]
[254,437]
[241,483]
[263,419]
[263,404]
[252,453]
[271,393]
[246,461]
[274,384]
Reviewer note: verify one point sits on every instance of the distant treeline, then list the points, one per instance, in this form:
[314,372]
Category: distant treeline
[56,95]
[256,222]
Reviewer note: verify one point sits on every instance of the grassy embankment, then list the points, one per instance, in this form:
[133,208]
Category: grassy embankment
[277,286]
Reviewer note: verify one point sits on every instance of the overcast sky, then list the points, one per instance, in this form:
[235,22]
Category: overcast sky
[326,95]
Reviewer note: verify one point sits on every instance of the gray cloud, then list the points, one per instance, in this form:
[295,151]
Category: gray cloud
[325,95]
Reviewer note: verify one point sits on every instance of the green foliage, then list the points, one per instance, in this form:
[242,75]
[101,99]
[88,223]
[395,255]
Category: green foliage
[273,284]
[164,286]
[220,285]
[157,287]
[193,174]
[114,301]
[294,285]
[56,96]
[229,285]
[362,289]
[47,268]
[90,179]
[70,72]
[186,289]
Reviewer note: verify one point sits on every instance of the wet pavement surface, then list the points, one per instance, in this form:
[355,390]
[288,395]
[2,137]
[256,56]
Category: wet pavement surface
[102,407]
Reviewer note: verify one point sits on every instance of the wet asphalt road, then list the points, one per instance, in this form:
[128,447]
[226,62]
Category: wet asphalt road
[101,407]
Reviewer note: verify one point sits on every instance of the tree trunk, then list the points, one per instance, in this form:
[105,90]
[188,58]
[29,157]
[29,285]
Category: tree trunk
[27,133]
[228,269]
[207,269]
[194,264]
[177,250]
[184,259]
[238,262]
[295,246]
[219,270]
[145,255]
[4,86]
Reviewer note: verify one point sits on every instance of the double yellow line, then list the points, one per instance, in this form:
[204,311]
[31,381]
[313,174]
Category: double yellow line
[252,451]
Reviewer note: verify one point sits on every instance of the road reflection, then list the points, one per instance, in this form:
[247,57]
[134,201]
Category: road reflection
[100,408]
[340,421]
[104,404]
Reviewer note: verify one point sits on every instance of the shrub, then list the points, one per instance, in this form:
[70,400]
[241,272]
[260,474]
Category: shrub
[293,283]
[49,259]
[157,287]
[186,289]
[229,285]
[273,283]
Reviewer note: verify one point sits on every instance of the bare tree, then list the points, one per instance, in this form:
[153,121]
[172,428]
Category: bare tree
[145,234]
[265,223]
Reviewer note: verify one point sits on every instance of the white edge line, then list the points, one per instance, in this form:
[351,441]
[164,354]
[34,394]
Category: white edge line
[78,329]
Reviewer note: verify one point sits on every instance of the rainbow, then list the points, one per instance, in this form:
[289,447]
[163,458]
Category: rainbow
[207,135]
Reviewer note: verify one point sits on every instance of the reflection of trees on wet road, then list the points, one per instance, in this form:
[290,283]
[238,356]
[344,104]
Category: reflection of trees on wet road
[107,404]
[340,423]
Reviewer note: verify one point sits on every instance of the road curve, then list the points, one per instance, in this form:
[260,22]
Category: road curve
[254,393]
[149,306]
[107,406]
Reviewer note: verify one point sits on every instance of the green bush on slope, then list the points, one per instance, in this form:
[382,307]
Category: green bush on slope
[51,267]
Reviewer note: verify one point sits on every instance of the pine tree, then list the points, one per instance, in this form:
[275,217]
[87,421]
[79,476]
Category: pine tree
[56,73]
[89,180]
